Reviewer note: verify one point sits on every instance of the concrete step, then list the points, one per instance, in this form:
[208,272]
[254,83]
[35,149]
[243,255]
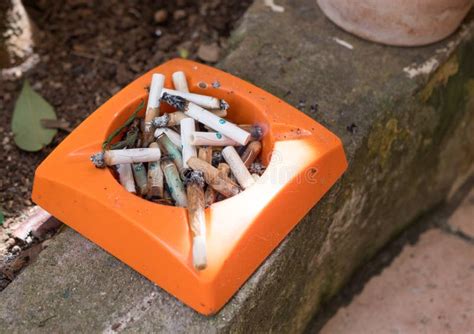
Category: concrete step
[428,288]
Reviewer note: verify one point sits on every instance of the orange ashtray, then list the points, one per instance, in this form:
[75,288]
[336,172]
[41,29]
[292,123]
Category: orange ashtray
[303,161]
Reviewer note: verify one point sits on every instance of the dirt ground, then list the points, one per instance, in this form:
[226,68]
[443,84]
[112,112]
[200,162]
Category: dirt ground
[88,51]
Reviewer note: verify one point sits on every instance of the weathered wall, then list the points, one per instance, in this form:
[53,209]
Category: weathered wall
[406,117]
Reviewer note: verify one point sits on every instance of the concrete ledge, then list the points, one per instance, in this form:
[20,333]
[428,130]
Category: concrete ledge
[406,117]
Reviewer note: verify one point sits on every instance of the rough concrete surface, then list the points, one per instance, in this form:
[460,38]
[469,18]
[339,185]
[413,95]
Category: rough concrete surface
[406,119]
[427,289]
[463,220]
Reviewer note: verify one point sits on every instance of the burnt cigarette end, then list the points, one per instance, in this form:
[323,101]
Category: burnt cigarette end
[224,105]
[217,158]
[174,101]
[98,160]
[194,177]
[161,121]
[257,168]
[256,132]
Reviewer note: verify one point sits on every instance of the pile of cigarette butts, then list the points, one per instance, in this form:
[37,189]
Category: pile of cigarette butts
[190,158]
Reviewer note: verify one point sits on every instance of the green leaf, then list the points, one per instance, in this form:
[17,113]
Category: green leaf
[2,218]
[30,108]
[183,53]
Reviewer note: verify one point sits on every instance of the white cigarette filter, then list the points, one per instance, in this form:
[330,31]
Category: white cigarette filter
[218,124]
[179,82]
[220,113]
[211,139]
[204,101]
[127,156]
[157,83]
[199,252]
[188,126]
[126,177]
[243,176]
[172,135]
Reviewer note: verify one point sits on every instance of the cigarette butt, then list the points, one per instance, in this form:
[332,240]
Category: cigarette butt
[176,117]
[126,156]
[168,119]
[156,86]
[205,153]
[179,82]
[251,153]
[155,177]
[197,222]
[219,113]
[207,118]
[139,173]
[224,169]
[255,131]
[126,177]
[175,185]
[210,195]
[172,135]
[213,178]
[204,101]
[211,139]
[153,105]
[171,150]
[243,176]
[199,253]
[188,126]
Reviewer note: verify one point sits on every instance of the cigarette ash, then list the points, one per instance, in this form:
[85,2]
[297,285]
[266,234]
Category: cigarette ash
[224,105]
[256,132]
[217,158]
[98,160]
[194,177]
[257,168]
[174,101]
[161,121]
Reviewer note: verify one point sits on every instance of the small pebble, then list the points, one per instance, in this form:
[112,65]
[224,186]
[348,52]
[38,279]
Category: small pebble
[10,242]
[179,14]
[209,52]
[16,249]
[161,16]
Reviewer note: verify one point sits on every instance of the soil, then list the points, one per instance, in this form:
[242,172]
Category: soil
[89,50]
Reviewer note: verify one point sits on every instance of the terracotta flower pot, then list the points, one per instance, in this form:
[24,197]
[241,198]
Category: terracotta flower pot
[398,22]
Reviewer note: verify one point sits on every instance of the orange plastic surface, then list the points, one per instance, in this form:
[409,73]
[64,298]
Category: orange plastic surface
[304,160]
